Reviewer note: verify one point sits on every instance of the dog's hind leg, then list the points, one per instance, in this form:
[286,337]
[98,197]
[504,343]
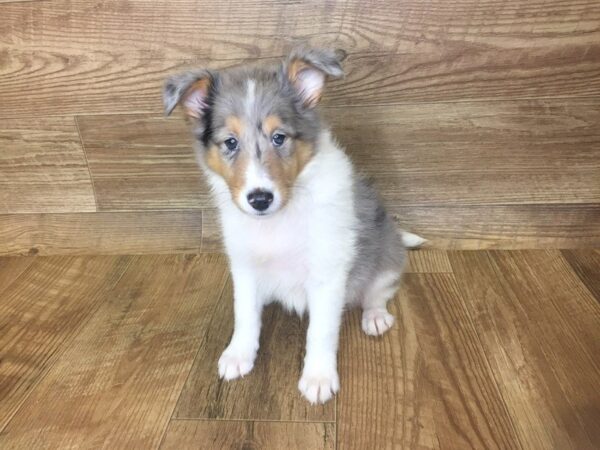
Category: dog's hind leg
[376,319]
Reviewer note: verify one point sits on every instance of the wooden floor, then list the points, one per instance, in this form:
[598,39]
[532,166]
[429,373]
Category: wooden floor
[491,349]
[479,122]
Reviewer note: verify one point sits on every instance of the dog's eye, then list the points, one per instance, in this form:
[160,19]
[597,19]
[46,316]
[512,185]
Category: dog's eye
[231,144]
[278,139]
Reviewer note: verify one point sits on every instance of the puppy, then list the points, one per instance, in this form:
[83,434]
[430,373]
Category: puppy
[299,225]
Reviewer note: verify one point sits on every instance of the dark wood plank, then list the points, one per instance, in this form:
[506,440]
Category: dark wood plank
[426,384]
[209,435]
[270,391]
[586,264]
[120,378]
[101,233]
[115,59]
[539,328]
[43,167]
[41,312]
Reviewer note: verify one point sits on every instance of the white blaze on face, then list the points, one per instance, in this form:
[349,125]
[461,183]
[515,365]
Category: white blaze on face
[251,98]
[257,178]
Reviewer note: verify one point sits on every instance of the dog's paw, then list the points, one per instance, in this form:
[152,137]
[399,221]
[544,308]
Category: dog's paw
[376,321]
[234,364]
[318,387]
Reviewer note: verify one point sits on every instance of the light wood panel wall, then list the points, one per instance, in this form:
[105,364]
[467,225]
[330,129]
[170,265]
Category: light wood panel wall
[479,121]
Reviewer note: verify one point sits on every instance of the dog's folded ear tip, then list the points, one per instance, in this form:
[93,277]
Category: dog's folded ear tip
[340,54]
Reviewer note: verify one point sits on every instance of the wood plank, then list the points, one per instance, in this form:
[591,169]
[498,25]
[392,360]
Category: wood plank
[43,167]
[502,227]
[477,153]
[400,50]
[40,313]
[169,30]
[101,233]
[501,153]
[428,261]
[424,384]
[546,121]
[539,328]
[270,391]
[586,264]
[118,382]
[209,435]
[151,232]
[142,162]
[11,269]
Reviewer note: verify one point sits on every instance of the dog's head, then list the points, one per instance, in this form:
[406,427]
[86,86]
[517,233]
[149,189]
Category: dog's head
[256,126]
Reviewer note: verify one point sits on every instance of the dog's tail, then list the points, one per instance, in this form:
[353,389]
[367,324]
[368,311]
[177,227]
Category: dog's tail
[411,240]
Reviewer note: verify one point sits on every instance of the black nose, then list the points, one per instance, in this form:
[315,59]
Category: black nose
[260,200]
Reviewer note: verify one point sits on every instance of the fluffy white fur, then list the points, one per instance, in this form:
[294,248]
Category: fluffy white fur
[299,256]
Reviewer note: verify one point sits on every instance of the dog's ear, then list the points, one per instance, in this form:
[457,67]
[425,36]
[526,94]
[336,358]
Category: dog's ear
[308,69]
[191,90]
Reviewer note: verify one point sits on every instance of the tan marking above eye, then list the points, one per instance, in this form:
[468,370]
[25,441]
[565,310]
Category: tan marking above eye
[270,124]
[235,125]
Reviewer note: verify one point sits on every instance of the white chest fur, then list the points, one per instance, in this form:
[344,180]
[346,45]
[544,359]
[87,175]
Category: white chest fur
[310,237]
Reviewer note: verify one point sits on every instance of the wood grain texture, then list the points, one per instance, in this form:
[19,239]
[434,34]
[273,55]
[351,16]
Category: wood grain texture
[115,58]
[95,351]
[539,328]
[113,233]
[428,261]
[11,269]
[501,227]
[43,167]
[117,384]
[586,264]
[270,391]
[482,174]
[526,152]
[209,435]
[142,162]
[424,384]
[477,153]
[212,239]
[159,30]
[40,313]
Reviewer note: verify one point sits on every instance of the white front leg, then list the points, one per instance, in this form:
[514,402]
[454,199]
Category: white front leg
[320,381]
[238,358]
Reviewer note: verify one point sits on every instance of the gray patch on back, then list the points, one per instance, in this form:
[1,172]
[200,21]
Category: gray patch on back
[380,247]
